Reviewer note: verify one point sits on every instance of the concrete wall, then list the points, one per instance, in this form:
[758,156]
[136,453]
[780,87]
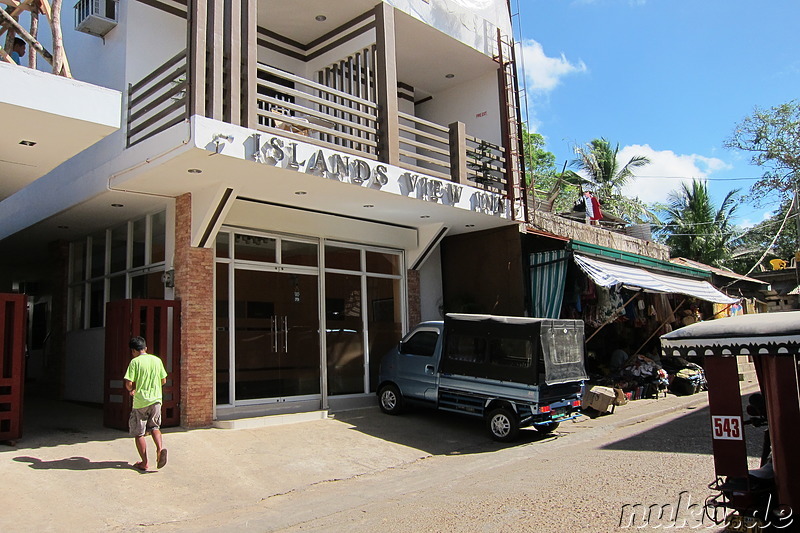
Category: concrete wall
[476,103]
[430,282]
[473,23]
[593,235]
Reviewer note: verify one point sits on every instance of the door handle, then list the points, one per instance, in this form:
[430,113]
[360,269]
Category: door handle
[285,334]
[429,369]
[274,331]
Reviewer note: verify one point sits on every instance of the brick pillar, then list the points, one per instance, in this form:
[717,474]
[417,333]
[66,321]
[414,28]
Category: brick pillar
[414,304]
[194,282]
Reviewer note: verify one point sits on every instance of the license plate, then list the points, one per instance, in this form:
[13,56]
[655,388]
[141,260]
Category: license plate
[744,523]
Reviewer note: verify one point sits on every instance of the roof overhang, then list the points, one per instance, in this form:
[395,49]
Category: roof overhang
[48,119]
[765,333]
[608,274]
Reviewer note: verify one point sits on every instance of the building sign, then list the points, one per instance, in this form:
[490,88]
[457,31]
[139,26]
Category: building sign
[281,153]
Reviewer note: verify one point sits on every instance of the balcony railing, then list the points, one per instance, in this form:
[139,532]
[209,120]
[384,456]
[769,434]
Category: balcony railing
[294,106]
[159,100]
[298,108]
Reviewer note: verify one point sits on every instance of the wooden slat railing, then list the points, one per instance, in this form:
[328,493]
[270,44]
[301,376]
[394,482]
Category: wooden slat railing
[297,107]
[158,101]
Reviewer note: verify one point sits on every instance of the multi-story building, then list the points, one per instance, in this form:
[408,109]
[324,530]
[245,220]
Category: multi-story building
[286,171]
[285,188]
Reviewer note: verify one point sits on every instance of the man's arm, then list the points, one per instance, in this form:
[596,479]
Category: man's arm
[131,386]
[163,381]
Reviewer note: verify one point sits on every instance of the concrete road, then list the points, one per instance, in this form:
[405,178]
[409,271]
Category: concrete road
[365,471]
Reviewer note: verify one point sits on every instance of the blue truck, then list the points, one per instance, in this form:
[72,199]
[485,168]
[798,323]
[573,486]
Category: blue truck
[513,372]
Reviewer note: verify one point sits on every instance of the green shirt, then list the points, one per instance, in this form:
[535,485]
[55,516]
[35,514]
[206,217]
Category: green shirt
[146,371]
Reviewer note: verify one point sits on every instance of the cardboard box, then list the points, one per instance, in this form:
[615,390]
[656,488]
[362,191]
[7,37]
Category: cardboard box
[598,398]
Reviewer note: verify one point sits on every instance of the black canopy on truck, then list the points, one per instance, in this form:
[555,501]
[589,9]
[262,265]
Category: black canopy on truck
[533,351]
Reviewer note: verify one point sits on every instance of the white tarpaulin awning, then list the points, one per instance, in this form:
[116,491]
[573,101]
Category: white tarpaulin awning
[608,274]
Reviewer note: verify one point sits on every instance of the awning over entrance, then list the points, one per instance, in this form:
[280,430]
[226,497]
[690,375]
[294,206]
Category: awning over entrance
[608,274]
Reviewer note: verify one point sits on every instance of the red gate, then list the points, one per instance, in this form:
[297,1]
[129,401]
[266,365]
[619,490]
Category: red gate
[158,321]
[12,364]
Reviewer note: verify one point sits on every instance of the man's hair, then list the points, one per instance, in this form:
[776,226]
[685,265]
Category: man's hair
[138,344]
[18,41]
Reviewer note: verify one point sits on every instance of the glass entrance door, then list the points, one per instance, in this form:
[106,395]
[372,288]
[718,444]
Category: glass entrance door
[276,316]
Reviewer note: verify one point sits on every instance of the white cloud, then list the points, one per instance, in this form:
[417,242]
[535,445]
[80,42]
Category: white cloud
[545,73]
[666,171]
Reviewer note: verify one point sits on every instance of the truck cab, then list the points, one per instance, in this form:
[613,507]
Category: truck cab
[511,371]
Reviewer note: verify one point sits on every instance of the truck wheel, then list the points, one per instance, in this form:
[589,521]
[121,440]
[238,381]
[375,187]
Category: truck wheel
[502,424]
[390,399]
[546,428]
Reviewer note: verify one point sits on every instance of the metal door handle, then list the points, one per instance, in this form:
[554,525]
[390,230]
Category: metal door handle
[274,331]
[286,334]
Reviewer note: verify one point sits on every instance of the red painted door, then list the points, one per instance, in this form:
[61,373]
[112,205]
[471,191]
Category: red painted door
[158,321]
[12,364]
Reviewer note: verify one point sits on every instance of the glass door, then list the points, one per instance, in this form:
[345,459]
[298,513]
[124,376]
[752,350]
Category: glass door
[277,344]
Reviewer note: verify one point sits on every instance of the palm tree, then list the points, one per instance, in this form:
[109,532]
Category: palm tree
[695,230]
[597,160]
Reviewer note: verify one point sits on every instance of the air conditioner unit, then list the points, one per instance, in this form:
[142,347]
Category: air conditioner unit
[96,17]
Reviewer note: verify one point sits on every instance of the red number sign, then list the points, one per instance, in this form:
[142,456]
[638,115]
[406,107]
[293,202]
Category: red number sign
[726,427]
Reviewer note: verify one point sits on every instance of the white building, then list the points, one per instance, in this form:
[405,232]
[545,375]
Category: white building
[286,171]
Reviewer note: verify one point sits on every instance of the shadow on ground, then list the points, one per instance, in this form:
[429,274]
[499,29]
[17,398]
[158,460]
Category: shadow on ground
[48,422]
[434,432]
[73,463]
[690,433]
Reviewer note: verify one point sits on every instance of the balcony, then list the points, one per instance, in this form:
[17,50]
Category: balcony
[367,90]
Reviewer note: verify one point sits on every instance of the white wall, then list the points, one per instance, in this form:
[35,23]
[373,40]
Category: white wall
[430,287]
[475,103]
[153,37]
[84,365]
[472,22]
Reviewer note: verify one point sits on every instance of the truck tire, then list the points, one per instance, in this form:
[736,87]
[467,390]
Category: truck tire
[502,424]
[390,400]
[546,428]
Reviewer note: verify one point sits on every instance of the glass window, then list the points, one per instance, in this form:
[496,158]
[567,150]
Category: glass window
[116,288]
[223,335]
[158,227]
[383,263]
[97,304]
[76,304]
[384,322]
[252,248]
[98,254]
[78,261]
[119,249]
[223,245]
[138,243]
[344,331]
[342,258]
[298,253]
[148,286]
[421,343]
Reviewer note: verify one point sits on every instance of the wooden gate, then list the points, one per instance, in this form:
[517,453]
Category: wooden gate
[12,364]
[158,321]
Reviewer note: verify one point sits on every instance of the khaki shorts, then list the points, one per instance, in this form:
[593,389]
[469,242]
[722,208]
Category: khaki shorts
[145,420]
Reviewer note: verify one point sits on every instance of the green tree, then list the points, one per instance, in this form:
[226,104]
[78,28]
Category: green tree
[598,162]
[697,230]
[548,186]
[772,138]
[778,233]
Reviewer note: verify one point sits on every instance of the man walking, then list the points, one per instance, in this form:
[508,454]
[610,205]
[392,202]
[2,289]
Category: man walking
[143,379]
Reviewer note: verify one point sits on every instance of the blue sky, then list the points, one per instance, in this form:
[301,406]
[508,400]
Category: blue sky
[668,79]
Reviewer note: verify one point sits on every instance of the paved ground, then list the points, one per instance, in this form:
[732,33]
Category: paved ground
[359,470]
